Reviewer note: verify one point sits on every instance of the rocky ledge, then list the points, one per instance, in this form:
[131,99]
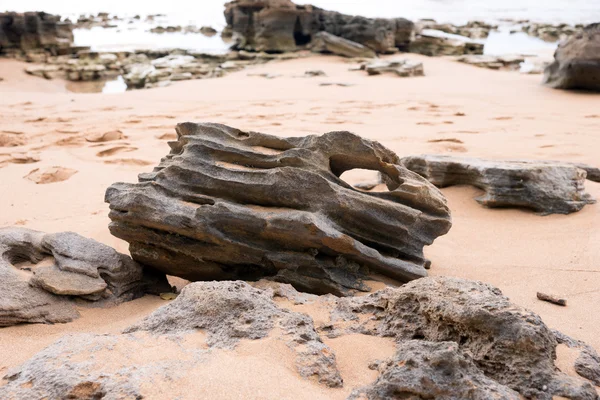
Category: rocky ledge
[231,204]
[34,30]
[548,187]
[70,267]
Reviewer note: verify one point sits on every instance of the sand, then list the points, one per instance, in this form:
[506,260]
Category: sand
[455,109]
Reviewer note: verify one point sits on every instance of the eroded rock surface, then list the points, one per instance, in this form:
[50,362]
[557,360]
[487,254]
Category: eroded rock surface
[577,62]
[281,25]
[544,186]
[436,43]
[34,30]
[230,204]
[79,267]
[401,68]
[429,370]
[324,42]
[507,343]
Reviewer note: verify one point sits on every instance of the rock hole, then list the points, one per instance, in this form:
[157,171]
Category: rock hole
[364,179]
[299,37]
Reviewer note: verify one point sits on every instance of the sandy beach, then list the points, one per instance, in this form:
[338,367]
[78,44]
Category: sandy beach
[455,109]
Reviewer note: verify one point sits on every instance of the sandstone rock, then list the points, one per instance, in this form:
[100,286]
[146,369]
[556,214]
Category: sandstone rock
[136,75]
[281,25]
[208,31]
[402,68]
[80,267]
[545,187]
[588,362]
[509,62]
[34,30]
[44,71]
[324,42]
[230,204]
[428,370]
[509,344]
[472,29]
[435,43]
[577,62]
[550,32]
[230,311]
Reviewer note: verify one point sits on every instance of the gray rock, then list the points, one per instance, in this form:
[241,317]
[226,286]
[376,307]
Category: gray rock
[435,43]
[230,204]
[81,267]
[576,62]
[428,370]
[402,68]
[230,311]
[587,363]
[34,30]
[545,187]
[324,42]
[506,342]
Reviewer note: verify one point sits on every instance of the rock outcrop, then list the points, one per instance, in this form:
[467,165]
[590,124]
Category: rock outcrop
[577,62]
[543,186]
[430,370]
[281,25]
[324,42]
[230,204]
[79,268]
[34,30]
[401,68]
[436,43]
[507,343]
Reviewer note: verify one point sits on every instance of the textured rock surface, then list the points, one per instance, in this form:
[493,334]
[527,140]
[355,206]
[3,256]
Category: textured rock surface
[506,342]
[402,68]
[324,42]
[545,187]
[434,43]
[577,62]
[80,267]
[281,25]
[229,204]
[428,370]
[230,311]
[588,361]
[34,30]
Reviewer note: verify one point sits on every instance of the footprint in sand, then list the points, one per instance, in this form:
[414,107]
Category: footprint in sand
[425,123]
[502,118]
[66,131]
[40,119]
[449,140]
[105,137]
[133,121]
[459,114]
[23,158]
[11,140]
[547,146]
[592,116]
[129,161]
[167,136]
[115,150]
[50,175]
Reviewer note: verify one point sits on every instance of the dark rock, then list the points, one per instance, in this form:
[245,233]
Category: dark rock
[576,62]
[230,204]
[81,267]
[427,370]
[34,30]
[545,187]
[506,342]
[324,42]
[281,25]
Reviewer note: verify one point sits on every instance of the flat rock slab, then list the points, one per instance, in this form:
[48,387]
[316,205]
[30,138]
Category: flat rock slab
[547,187]
[229,204]
[56,281]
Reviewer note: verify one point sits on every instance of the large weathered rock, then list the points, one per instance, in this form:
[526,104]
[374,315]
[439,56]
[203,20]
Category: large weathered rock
[80,267]
[324,42]
[435,43]
[545,187]
[402,68]
[577,62]
[230,204]
[34,30]
[281,25]
[506,342]
[428,370]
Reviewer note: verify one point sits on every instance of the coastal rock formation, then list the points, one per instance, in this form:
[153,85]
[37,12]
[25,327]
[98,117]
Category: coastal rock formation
[281,25]
[402,68]
[549,32]
[545,187]
[507,343]
[34,30]
[78,267]
[577,62]
[472,29]
[231,204]
[324,42]
[429,370]
[435,43]
[508,62]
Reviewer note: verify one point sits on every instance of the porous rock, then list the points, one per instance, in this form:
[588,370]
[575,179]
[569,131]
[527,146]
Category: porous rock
[81,268]
[509,344]
[231,204]
[587,363]
[430,370]
[576,62]
[543,186]
[233,310]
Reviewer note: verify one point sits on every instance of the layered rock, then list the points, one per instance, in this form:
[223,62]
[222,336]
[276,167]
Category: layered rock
[401,68]
[472,29]
[78,268]
[324,42]
[436,43]
[547,187]
[34,30]
[230,204]
[507,343]
[576,62]
[281,25]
